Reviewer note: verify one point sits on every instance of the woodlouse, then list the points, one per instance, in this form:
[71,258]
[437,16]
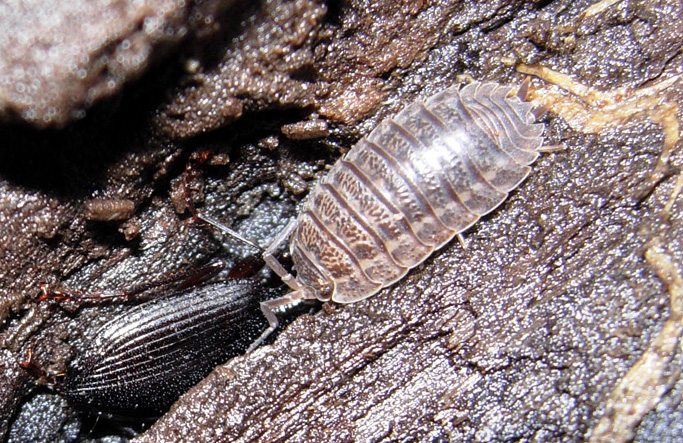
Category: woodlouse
[419,179]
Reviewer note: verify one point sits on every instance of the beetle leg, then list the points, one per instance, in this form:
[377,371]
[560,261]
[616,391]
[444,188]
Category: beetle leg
[42,375]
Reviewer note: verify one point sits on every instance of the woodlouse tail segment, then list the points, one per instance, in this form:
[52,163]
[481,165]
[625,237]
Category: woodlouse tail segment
[540,110]
[109,209]
[537,111]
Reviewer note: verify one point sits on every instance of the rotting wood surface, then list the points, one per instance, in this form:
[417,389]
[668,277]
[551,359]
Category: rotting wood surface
[537,331]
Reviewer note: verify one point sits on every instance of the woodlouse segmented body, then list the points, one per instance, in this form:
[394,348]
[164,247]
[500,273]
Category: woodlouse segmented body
[419,179]
[409,187]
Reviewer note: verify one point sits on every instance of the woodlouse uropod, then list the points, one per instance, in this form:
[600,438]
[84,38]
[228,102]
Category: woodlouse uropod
[416,181]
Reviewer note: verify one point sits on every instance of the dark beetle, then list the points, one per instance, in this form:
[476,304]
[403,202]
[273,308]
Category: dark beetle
[139,363]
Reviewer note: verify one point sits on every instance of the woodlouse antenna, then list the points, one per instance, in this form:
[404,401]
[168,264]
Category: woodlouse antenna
[198,216]
[227,230]
[270,307]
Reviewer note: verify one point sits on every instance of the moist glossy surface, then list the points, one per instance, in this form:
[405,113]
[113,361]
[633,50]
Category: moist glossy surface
[144,360]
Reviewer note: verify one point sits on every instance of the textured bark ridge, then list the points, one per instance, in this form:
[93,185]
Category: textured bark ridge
[560,321]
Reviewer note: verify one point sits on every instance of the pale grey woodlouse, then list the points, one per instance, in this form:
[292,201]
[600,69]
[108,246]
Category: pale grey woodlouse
[416,181]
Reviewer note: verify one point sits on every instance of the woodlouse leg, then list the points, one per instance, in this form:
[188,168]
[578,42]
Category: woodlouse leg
[269,309]
[461,240]
[551,148]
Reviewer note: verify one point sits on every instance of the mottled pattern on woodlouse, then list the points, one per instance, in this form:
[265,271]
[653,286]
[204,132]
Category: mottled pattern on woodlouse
[409,187]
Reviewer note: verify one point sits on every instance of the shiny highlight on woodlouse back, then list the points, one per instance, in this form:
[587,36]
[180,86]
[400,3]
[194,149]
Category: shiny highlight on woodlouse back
[416,181]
